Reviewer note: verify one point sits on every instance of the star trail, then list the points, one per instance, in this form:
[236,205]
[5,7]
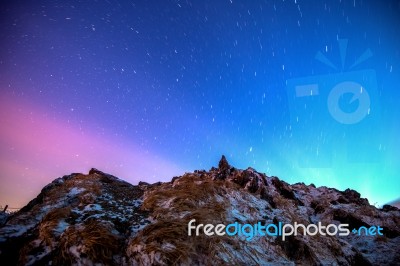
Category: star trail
[146,90]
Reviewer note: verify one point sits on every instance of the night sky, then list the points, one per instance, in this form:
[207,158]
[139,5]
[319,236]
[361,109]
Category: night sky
[146,90]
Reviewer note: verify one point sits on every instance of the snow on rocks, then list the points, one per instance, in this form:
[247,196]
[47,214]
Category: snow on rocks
[99,219]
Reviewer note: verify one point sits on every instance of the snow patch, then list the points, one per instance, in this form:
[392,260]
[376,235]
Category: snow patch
[75,191]
[92,207]
[61,227]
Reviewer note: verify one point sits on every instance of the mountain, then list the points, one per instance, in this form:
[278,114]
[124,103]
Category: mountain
[100,219]
[395,203]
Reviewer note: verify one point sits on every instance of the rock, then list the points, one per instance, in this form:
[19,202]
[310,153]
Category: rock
[3,218]
[355,197]
[100,219]
[388,208]
[223,168]
[142,183]
[223,164]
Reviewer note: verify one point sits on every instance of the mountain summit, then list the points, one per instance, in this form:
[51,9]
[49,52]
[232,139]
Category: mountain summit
[100,219]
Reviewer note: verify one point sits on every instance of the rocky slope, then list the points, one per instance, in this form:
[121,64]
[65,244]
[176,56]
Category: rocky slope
[97,218]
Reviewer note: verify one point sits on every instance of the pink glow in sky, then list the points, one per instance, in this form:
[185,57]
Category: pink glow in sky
[37,147]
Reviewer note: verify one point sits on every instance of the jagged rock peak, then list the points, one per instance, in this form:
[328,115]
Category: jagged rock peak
[95,171]
[223,164]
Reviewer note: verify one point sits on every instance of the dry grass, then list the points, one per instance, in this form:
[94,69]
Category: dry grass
[57,214]
[186,195]
[170,240]
[46,234]
[88,182]
[50,222]
[191,197]
[282,202]
[94,241]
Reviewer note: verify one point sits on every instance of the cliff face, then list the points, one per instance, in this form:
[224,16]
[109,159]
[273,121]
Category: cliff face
[98,218]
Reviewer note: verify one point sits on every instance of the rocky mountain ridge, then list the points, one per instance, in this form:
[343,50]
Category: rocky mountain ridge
[99,219]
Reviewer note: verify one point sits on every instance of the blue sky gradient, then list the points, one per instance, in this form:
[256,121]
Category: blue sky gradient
[177,84]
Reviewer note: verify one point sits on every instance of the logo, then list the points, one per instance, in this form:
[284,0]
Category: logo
[335,114]
[358,92]
[249,231]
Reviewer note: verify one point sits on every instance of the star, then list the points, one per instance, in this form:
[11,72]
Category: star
[354,231]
